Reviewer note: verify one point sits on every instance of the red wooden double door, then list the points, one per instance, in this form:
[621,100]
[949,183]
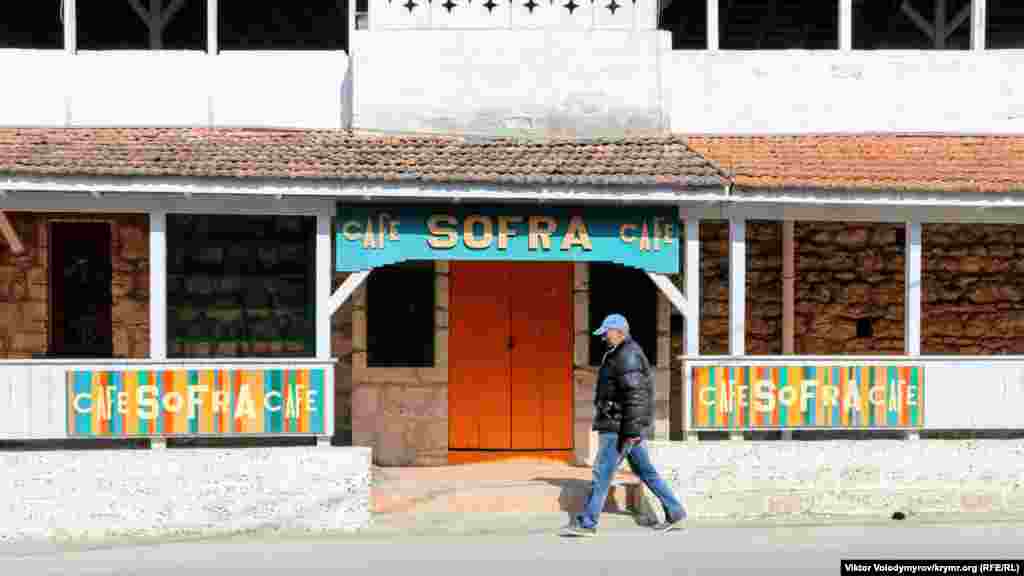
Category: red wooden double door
[510,359]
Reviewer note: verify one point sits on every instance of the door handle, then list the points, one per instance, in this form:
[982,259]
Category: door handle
[511,342]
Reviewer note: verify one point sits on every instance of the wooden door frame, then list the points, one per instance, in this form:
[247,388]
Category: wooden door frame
[51,284]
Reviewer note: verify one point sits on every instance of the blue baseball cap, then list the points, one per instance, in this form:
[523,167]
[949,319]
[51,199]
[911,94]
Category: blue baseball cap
[612,322]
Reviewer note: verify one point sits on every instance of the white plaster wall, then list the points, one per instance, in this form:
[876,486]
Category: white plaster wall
[93,495]
[873,478]
[139,88]
[820,92]
[509,81]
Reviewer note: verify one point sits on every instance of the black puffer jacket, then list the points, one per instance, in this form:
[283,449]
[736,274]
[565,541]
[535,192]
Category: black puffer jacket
[624,399]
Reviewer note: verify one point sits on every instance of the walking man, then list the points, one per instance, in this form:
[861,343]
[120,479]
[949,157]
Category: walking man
[623,416]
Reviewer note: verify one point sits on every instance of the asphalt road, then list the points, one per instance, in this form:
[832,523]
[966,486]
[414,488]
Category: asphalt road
[622,548]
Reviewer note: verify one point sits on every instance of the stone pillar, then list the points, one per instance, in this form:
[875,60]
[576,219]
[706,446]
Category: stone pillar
[341,350]
[584,439]
[402,413]
[663,371]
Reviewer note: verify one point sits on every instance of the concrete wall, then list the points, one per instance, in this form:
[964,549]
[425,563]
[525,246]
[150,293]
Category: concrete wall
[550,82]
[93,495]
[115,88]
[879,91]
[797,480]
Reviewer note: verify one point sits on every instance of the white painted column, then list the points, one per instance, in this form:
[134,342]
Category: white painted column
[692,320]
[979,20]
[158,285]
[324,276]
[737,285]
[713,28]
[324,269]
[737,292]
[212,18]
[70,18]
[912,303]
[692,278]
[846,25]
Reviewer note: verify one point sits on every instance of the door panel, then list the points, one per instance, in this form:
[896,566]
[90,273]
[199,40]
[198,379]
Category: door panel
[510,356]
[541,368]
[478,388]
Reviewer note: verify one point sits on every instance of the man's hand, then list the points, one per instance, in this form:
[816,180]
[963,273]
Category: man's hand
[627,441]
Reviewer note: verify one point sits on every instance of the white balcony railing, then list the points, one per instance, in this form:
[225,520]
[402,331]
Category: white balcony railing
[60,399]
[894,392]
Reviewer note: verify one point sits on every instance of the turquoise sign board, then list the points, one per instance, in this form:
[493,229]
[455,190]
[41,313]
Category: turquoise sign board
[374,235]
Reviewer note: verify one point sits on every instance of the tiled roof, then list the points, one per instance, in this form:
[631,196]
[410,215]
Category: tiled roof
[892,162]
[333,154]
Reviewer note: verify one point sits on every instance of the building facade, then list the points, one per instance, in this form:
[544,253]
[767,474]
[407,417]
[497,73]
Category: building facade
[843,188]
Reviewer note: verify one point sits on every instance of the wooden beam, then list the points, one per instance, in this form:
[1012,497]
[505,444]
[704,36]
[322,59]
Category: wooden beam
[958,20]
[345,291]
[10,234]
[918,20]
[940,24]
[671,292]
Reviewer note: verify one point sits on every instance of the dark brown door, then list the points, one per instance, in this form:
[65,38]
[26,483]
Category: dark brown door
[510,357]
[80,281]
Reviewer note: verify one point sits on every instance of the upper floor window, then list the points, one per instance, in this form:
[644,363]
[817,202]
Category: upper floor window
[912,24]
[35,24]
[277,25]
[141,24]
[778,25]
[688,22]
[1005,24]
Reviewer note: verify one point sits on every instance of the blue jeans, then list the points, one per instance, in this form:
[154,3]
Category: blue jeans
[605,465]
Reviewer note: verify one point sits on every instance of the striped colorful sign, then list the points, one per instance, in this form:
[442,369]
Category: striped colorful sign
[777,397]
[195,402]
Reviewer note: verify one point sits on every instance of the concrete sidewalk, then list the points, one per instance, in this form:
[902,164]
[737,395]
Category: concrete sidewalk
[504,546]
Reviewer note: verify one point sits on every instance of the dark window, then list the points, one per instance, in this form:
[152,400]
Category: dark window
[1005,24]
[142,24]
[782,24]
[688,22]
[35,24]
[241,286]
[864,328]
[628,291]
[400,316]
[276,25]
[887,24]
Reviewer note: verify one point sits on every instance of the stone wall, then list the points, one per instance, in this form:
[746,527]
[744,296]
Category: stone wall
[764,288]
[24,284]
[402,412]
[81,496]
[341,351]
[828,479]
[972,288]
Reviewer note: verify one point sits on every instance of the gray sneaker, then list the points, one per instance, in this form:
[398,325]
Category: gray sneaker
[669,525]
[575,530]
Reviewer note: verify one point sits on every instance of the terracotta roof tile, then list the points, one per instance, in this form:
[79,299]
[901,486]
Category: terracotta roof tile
[333,154]
[874,162]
